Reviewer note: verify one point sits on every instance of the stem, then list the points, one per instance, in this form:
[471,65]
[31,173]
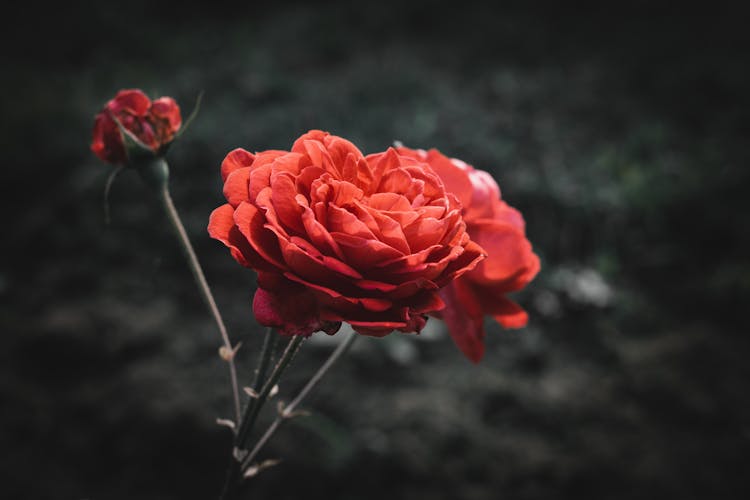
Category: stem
[205,290]
[266,353]
[269,345]
[251,415]
[289,409]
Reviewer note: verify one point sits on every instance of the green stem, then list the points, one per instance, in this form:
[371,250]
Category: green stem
[251,415]
[158,175]
[269,346]
[288,410]
[266,353]
[233,483]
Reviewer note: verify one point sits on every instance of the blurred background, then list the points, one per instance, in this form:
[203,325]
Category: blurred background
[621,133]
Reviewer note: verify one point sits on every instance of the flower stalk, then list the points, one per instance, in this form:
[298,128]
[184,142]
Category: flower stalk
[288,411]
[253,409]
[266,353]
[233,483]
[156,175]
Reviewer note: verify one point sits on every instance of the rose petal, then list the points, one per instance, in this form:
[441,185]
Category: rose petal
[455,176]
[364,253]
[167,109]
[291,311]
[250,223]
[511,315]
[465,319]
[508,251]
[425,232]
[221,226]
[107,140]
[319,235]
[340,220]
[239,158]
[283,198]
[236,186]
[131,101]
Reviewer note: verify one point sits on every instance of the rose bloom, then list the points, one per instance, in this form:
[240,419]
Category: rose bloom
[336,236]
[153,123]
[510,262]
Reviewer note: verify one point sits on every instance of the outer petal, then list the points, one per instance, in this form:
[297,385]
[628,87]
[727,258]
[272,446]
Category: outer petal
[222,226]
[236,186]
[485,201]
[250,222]
[107,141]
[464,317]
[493,302]
[455,176]
[166,108]
[236,159]
[510,315]
[291,310]
[508,250]
[132,101]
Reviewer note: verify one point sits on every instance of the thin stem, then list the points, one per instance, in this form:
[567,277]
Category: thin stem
[251,415]
[269,345]
[288,410]
[205,290]
[266,353]
[107,188]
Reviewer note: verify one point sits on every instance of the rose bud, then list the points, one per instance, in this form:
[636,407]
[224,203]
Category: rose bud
[145,125]
[336,236]
[510,264]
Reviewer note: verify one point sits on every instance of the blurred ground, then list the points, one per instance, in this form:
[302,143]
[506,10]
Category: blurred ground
[620,134]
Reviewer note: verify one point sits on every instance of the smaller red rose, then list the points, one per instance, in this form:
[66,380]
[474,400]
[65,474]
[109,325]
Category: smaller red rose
[510,264]
[153,123]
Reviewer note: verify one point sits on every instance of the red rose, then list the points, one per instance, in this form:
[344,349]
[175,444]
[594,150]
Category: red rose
[510,262]
[336,236]
[153,123]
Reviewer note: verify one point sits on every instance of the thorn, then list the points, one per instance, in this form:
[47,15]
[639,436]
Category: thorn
[228,354]
[274,391]
[286,414]
[225,422]
[253,470]
[239,454]
[250,392]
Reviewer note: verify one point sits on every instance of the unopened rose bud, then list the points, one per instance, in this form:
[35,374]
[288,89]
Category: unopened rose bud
[131,125]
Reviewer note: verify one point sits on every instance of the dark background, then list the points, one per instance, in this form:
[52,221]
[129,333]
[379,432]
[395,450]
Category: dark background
[620,132]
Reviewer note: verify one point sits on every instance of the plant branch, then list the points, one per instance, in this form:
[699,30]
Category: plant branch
[228,351]
[288,410]
[251,415]
[269,345]
[266,353]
